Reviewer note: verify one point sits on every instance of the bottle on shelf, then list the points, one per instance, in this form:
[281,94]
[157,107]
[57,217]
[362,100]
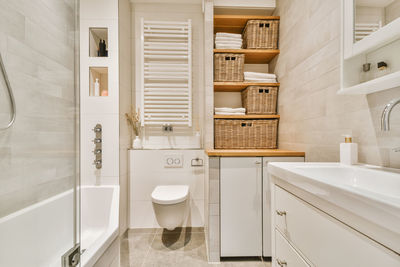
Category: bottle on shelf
[97,87]
[102,52]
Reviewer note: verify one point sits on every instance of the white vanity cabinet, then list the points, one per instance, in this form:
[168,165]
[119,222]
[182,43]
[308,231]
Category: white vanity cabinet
[267,200]
[303,235]
[245,205]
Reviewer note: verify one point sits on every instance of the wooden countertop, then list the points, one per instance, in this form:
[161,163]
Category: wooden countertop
[253,153]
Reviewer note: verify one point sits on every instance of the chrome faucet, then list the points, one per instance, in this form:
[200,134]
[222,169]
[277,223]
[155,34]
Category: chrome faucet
[385,123]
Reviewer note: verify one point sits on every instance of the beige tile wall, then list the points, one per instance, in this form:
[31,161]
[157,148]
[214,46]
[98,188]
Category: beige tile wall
[37,155]
[313,116]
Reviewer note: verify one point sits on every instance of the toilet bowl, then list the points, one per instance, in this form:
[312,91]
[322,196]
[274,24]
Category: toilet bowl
[170,204]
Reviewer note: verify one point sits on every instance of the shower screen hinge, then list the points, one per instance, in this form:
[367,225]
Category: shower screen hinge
[72,257]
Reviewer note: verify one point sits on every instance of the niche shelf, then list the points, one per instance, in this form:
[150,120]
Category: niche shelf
[100,73]
[238,86]
[95,35]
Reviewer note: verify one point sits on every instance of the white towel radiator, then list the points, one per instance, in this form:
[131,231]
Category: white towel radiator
[166,63]
[362,30]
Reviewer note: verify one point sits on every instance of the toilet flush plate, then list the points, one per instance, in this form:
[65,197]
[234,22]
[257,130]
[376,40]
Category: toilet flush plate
[173,161]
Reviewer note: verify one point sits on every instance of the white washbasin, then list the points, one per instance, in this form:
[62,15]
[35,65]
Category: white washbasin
[368,192]
[379,182]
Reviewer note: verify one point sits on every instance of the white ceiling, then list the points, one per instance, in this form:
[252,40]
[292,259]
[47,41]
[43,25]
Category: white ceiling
[374,3]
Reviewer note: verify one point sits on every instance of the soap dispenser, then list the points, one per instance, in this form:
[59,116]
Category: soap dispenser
[348,151]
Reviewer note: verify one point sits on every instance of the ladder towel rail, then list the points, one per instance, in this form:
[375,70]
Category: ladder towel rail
[166,67]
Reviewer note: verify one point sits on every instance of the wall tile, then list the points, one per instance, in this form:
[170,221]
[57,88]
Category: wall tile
[313,116]
[38,153]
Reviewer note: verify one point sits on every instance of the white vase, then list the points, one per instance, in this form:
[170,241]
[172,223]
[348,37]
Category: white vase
[137,143]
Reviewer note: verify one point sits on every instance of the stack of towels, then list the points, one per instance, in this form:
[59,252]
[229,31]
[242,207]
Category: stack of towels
[230,111]
[228,40]
[259,77]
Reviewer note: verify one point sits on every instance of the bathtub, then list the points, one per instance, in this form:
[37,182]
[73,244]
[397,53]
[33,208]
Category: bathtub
[41,233]
[99,221]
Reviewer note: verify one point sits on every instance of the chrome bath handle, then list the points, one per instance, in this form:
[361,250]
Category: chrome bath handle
[281,262]
[281,212]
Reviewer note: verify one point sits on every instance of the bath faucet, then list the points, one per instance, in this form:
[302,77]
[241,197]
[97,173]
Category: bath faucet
[385,123]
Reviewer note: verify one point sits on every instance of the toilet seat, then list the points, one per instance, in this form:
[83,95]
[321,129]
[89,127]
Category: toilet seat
[170,194]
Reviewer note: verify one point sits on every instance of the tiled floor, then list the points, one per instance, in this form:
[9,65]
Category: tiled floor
[178,248]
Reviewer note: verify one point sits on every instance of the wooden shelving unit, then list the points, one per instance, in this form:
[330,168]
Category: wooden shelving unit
[238,86]
[235,23]
[246,117]
[253,56]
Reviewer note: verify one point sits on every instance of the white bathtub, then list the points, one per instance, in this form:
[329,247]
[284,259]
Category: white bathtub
[37,236]
[99,221]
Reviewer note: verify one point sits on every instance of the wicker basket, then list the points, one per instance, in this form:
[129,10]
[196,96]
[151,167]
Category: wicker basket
[228,67]
[261,34]
[260,100]
[245,134]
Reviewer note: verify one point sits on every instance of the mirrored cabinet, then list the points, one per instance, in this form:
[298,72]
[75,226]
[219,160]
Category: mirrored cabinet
[370,45]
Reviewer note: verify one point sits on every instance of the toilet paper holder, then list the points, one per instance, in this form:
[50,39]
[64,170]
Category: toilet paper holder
[197,162]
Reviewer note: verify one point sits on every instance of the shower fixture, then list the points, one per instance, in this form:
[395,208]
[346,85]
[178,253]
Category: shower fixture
[10,93]
[98,151]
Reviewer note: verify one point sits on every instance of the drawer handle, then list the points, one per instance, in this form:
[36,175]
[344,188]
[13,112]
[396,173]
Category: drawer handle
[281,213]
[281,263]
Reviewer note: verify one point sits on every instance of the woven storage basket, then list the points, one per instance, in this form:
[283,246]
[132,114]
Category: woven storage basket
[228,67]
[245,134]
[260,100]
[261,34]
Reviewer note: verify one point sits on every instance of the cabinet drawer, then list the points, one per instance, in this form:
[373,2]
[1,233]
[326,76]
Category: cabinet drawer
[286,255]
[323,240]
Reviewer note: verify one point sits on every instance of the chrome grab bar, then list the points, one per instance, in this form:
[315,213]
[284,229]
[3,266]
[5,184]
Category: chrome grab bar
[13,106]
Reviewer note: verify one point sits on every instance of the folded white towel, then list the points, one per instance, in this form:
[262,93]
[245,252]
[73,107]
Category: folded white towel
[229,42]
[230,110]
[260,80]
[259,75]
[228,39]
[225,34]
[227,113]
[218,46]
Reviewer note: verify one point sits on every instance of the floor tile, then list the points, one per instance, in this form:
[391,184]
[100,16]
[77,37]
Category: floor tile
[182,247]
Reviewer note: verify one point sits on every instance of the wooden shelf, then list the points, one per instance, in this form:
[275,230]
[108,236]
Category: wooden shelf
[238,86]
[253,56]
[235,23]
[254,153]
[243,117]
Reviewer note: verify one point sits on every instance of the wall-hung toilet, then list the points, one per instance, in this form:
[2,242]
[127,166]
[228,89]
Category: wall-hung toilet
[170,205]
